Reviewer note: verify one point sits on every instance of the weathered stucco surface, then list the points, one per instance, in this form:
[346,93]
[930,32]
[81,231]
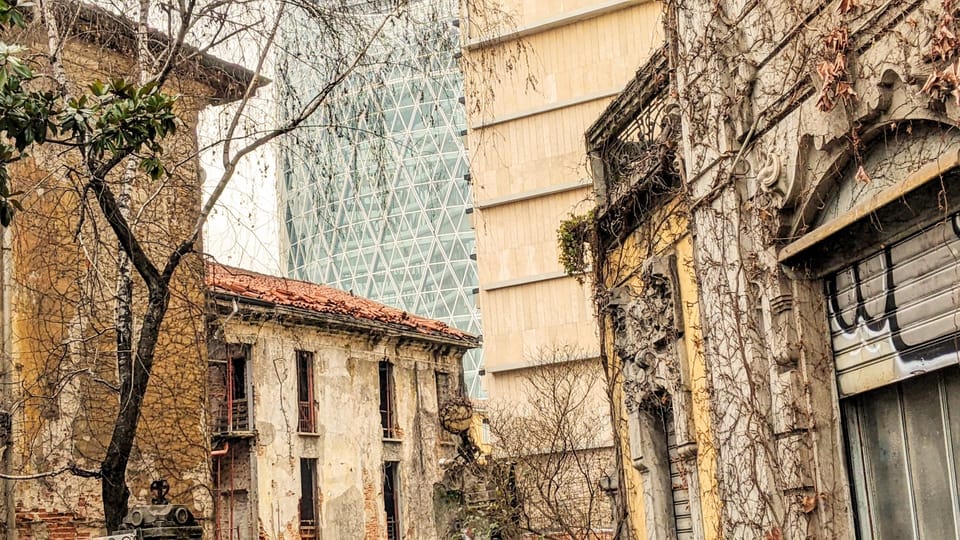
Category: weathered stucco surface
[808,137]
[348,443]
[63,366]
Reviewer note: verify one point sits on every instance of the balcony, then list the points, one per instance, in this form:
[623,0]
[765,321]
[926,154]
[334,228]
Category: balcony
[632,148]
[234,417]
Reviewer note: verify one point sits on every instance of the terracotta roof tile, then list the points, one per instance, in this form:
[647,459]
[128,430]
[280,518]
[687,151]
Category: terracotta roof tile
[320,299]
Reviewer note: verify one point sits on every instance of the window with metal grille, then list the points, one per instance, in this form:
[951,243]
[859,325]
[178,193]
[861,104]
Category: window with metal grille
[306,414]
[308,498]
[387,398]
[391,498]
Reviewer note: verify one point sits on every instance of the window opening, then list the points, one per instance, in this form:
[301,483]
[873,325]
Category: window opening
[387,411]
[391,498]
[236,417]
[306,414]
[308,498]
[895,339]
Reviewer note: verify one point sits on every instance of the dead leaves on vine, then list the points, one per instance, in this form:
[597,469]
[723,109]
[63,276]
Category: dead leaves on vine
[945,46]
[846,6]
[945,42]
[833,69]
[944,83]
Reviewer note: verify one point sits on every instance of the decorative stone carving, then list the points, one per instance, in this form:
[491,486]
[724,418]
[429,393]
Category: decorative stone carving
[769,172]
[646,328]
[783,186]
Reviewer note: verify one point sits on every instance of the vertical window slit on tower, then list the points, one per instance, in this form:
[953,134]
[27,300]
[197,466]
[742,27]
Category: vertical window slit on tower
[306,413]
[387,411]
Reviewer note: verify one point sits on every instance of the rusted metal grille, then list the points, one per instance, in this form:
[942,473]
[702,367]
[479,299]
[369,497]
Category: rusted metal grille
[632,150]
[234,417]
[305,416]
[387,412]
[308,529]
[232,409]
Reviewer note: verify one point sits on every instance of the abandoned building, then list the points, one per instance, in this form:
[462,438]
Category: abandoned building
[776,249]
[325,410]
[58,368]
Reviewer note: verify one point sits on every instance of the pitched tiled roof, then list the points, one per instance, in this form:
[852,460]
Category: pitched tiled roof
[323,300]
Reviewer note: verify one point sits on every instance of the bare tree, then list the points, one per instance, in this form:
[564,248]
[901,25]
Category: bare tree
[548,460]
[125,185]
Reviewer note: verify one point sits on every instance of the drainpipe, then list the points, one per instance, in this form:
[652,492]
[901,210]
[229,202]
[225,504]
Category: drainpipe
[6,380]
[216,489]
[222,452]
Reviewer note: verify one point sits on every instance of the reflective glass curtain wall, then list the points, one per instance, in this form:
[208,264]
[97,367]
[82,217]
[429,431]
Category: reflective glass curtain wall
[374,195]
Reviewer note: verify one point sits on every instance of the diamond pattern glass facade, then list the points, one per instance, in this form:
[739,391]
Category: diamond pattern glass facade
[379,204]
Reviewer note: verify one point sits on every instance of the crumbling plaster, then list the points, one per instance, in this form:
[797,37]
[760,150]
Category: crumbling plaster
[761,163]
[62,340]
[348,442]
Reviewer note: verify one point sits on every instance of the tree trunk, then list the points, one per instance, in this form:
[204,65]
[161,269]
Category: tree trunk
[114,467]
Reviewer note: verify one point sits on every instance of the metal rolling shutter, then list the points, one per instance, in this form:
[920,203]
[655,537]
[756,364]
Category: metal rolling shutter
[895,326]
[896,313]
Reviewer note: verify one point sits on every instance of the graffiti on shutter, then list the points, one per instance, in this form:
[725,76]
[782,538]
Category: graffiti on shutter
[896,313]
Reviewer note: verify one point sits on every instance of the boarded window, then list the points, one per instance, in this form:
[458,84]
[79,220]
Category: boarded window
[443,387]
[306,413]
[387,398]
[308,498]
[444,394]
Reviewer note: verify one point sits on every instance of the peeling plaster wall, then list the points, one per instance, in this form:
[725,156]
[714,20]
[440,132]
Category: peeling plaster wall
[63,342]
[348,443]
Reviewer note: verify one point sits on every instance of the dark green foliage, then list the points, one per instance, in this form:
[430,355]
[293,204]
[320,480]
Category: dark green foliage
[111,120]
[573,235]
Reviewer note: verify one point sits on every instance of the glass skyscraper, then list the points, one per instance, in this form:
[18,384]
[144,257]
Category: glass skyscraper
[375,196]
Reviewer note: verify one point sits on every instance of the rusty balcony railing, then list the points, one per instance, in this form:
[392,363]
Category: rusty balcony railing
[631,145]
[306,420]
[234,417]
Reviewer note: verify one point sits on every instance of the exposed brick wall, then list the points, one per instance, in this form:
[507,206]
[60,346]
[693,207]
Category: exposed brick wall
[42,524]
[371,508]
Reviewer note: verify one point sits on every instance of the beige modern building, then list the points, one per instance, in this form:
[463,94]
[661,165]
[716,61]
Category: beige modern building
[537,75]
[528,164]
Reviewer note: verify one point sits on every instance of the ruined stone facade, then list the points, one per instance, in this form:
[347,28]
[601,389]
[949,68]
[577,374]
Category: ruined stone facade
[815,183]
[326,409]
